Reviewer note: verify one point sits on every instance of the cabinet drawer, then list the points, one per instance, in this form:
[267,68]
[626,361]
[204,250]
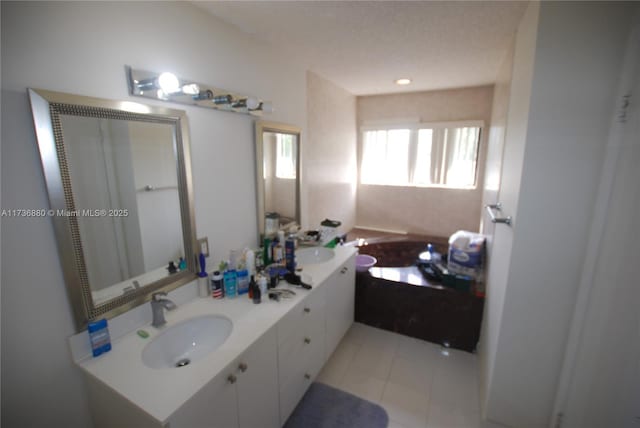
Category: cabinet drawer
[296,353]
[299,378]
[304,315]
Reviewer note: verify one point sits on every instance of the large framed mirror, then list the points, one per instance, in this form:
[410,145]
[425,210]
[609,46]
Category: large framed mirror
[118,175]
[277,176]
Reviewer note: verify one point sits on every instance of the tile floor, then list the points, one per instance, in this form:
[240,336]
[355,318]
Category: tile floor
[413,380]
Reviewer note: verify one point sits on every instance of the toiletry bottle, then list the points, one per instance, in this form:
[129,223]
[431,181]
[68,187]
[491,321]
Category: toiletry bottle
[250,262]
[230,283]
[172,267]
[280,248]
[182,264]
[257,294]
[242,280]
[273,256]
[259,260]
[252,286]
[289,252]
[217,285]
[99,336]
[266,254]
[434,256]
[233,260]
[262,285]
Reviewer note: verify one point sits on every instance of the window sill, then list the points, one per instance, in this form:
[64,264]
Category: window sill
[414,186]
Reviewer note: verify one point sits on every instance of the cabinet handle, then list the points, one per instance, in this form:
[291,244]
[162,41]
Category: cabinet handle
[307,376]
[231,379]
[307,310]
[243,367]
[307,340]
[344,270]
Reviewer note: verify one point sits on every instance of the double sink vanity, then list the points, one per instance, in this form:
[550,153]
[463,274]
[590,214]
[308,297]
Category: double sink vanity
[108,166]
[249,365]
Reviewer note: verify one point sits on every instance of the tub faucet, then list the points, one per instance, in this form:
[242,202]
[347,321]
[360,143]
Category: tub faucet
[158,304]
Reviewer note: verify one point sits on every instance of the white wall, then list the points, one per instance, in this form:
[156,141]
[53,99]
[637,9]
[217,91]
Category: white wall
[81,48]
[578,52]
[492,176]
[329,155]
[600,383]
[154,164]
[425,210]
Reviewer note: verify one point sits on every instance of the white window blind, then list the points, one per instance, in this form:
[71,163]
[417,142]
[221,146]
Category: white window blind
[385,157]
[285,156]
[439,155]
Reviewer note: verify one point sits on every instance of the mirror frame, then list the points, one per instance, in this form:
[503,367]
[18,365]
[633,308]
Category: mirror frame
[282,128]
[47,106]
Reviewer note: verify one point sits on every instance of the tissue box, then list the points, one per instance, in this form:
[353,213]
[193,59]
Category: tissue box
[466,253]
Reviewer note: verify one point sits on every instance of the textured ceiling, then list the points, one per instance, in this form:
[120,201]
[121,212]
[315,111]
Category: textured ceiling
[363,46]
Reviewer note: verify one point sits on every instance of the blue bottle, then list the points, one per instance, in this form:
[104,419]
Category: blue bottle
[230,284]
[289,254]
[99,336]
[242,281]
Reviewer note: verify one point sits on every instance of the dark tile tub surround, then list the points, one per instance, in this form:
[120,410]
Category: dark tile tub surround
[395,296]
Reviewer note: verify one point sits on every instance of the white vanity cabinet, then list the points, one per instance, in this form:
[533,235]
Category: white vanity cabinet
[309,334]
[242,396]
[340,291]
[300,349]
[254,380]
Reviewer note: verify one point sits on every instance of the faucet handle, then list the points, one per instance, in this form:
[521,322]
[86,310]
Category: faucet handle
[156,296]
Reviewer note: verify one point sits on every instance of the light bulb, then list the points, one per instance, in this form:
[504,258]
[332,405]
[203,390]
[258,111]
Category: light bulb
[252,103]
[169,83]
[403,81]
[191,89]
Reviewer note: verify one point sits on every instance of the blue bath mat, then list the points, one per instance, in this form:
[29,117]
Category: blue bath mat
[326,407]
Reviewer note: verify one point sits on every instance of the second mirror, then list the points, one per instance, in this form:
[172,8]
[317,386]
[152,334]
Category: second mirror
[278,176]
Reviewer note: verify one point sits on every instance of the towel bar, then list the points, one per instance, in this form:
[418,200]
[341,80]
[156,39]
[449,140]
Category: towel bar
[494,219]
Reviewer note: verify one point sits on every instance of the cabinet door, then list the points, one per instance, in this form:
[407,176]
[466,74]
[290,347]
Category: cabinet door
[340,303]
[258,384]
[215,406]
[301,336]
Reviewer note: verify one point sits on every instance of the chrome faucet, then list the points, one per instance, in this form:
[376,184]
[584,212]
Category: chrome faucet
[158,304]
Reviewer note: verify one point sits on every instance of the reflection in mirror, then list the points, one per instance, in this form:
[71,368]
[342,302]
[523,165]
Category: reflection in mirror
[278,176]
[118,178]
[129,170]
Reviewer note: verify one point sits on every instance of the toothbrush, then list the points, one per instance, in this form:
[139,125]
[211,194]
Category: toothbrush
[203,271]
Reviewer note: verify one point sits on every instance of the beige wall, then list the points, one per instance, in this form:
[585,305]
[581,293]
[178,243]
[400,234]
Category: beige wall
[329,155]
[425,210]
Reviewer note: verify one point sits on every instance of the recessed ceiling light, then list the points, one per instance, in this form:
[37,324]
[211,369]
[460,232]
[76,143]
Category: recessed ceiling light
[403,81]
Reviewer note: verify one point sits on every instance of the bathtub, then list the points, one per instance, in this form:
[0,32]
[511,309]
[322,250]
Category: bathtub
[395,296]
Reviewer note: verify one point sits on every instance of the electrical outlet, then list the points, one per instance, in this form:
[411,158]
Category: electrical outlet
[203,246]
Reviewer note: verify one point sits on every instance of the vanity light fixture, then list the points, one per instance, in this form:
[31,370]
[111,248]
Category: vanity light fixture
[169,83]
[191,89]
[251,103]
[403,81]
[168,87]
[222,99]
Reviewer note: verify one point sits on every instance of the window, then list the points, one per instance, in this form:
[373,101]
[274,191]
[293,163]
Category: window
[285,156]
[385,156]
[439,155]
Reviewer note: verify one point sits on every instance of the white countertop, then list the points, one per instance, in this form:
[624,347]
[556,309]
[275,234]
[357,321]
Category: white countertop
[160,392]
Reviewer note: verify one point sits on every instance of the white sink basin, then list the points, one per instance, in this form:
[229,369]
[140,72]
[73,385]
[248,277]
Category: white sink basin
[187,342]
[312,256]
